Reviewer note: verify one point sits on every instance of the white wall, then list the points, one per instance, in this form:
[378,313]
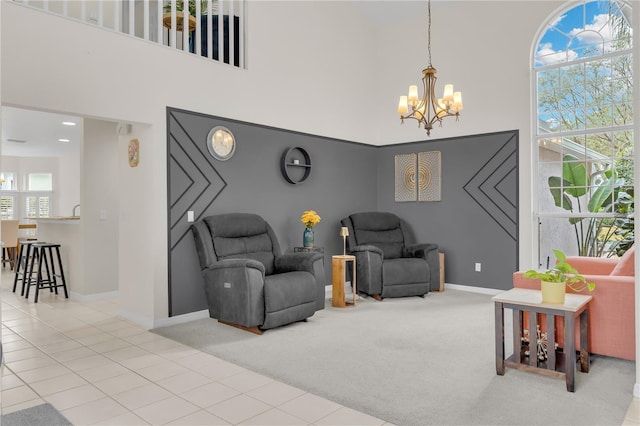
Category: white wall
[313,67]
[100,206]
[142,299]
[69,184]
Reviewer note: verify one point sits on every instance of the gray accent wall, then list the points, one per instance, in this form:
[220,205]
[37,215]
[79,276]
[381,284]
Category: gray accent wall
[343,179]
[476,221]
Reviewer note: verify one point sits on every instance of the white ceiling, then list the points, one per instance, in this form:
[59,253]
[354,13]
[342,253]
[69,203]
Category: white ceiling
[382,13]
[40,131]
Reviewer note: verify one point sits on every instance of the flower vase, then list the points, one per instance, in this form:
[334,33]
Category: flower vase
[307,237]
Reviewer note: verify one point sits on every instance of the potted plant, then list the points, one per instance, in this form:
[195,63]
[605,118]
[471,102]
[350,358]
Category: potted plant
[553,282]
[192,6]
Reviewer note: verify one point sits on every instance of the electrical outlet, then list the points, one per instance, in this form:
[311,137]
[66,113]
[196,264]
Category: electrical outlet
[478,267]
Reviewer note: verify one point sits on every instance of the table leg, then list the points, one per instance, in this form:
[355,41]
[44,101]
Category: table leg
[337,283]
[551,342]
[533,339]
[499,325]
[353,281]
[569,350]
[517,335]
[584,341]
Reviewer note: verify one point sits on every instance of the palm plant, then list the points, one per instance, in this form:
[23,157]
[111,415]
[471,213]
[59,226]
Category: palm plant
[592,233]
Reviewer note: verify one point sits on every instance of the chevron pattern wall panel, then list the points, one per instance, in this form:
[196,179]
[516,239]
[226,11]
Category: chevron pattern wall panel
[193,174]
[489,188]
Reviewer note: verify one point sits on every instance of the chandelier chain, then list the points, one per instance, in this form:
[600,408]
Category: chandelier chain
[429,32]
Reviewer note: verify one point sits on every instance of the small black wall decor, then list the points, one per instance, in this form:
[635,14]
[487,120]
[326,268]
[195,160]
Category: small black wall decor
[292,159]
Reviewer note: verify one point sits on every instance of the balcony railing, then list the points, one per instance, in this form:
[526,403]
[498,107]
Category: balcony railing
[164,21]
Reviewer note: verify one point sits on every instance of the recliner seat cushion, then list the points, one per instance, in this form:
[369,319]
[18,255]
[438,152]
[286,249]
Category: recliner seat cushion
[381,230]
[282,291]
[242,237]
[405,271]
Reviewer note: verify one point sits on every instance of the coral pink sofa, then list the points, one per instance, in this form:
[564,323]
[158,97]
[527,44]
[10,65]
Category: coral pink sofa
[612,310]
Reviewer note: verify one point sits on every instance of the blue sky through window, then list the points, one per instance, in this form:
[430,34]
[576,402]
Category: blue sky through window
[585,30]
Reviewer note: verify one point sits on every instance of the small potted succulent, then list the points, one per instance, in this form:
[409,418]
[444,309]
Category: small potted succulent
[553,282]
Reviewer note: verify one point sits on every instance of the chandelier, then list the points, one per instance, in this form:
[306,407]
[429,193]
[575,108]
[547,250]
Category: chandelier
[430,109]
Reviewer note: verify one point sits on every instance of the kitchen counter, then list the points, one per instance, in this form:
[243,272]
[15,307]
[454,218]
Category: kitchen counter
[68,232]
[58,219]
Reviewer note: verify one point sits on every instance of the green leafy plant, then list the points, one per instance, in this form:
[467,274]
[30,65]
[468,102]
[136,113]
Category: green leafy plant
[562,272]
[192,6]
[593,235]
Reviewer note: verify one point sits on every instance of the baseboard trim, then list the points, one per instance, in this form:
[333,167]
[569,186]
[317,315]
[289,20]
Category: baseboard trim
[469,288]
[180,319]
[93,297]
[473,289]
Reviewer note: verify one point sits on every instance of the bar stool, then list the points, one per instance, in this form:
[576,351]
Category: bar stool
[23,264]
[44,253]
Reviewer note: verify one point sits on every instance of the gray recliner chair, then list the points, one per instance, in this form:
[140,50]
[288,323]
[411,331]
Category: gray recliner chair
[388,261]
[248,282]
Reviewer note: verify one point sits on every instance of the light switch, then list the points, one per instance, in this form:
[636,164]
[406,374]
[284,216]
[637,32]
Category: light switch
[190,216]
[102,214]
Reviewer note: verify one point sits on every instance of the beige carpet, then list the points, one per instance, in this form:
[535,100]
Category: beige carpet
[416,361]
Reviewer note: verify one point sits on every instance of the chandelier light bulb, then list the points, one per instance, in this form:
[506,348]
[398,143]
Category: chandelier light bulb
[413,95]
[403,108]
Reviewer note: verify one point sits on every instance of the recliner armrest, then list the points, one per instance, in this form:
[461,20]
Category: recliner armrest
[237,263]
[420,250]
[235,291]
[366,247]
[290,262]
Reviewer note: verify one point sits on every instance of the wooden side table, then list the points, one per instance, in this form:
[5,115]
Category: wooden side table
[338,280]
[441,259]
[521,300]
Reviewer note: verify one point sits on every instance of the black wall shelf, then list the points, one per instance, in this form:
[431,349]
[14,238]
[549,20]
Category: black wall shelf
[287,161]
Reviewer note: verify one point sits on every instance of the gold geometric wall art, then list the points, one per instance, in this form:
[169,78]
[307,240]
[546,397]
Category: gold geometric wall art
[405,177]
[429,176]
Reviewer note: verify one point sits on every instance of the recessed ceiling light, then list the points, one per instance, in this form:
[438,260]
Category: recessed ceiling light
[68,123]
[64,140]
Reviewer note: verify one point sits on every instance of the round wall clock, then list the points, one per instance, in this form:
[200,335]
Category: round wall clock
[221,143]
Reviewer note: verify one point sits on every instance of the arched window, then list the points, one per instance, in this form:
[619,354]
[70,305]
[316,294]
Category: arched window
[582,68]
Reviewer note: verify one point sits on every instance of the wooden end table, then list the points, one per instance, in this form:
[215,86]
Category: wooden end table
[338,280]
[522,300]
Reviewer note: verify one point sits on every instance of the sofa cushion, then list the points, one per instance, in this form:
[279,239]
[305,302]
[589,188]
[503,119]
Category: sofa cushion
[381,230]
[626,265]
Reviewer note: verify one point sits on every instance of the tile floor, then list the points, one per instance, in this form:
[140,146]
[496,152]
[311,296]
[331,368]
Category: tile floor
[97,368]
